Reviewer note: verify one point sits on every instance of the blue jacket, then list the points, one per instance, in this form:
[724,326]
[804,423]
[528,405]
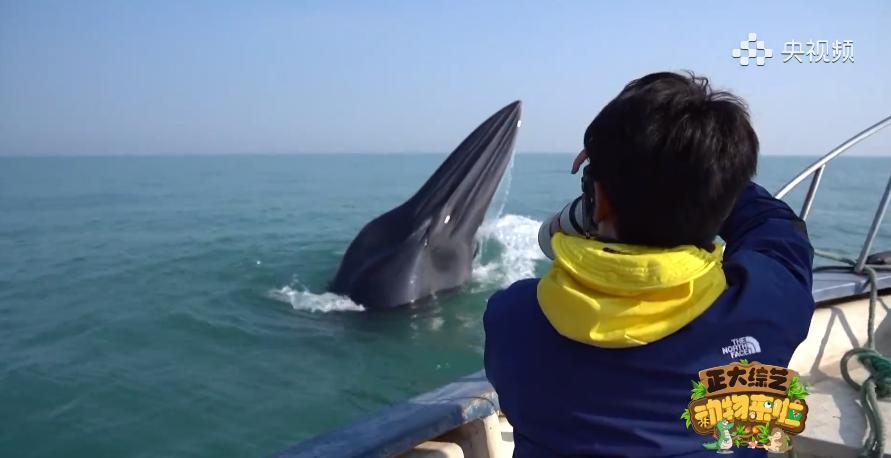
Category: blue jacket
[569,398]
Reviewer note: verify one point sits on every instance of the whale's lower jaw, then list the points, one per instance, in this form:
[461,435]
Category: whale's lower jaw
[414,273]
[425,246]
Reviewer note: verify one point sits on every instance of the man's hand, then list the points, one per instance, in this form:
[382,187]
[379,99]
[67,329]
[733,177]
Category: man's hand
[579,160]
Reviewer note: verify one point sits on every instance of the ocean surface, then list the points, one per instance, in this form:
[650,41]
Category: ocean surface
[176,306]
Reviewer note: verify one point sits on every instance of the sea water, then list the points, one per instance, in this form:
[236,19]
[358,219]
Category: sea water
[176,306]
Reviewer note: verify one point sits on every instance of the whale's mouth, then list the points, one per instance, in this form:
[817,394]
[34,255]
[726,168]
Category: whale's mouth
[455,198]
[425,245]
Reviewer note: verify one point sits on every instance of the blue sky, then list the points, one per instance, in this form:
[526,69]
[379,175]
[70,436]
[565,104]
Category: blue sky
[326,77]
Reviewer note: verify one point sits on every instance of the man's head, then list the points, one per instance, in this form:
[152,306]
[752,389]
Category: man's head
[668,157]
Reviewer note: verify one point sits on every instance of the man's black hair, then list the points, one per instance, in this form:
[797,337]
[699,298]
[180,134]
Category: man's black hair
[672,156]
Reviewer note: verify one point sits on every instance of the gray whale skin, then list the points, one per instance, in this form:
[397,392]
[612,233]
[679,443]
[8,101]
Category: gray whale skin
[426,245]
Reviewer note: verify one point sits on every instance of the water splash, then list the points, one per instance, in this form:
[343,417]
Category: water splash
[496,207]
[516,253]
[303,299]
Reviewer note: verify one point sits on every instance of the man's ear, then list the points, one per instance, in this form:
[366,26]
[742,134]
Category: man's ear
[603,209]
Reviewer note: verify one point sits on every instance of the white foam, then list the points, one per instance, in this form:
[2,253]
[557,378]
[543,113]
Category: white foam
[517,237]
[302,299]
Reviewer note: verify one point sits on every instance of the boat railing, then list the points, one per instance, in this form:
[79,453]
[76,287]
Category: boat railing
[395,430]
[817,169]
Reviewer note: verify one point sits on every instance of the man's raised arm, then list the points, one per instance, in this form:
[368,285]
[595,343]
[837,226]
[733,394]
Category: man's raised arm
[766,225]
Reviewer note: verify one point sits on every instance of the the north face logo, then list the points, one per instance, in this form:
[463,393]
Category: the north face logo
[742,346]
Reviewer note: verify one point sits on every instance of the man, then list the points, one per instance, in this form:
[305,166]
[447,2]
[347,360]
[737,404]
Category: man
[596,357]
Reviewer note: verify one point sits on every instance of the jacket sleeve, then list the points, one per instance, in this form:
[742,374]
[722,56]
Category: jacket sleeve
[766,225]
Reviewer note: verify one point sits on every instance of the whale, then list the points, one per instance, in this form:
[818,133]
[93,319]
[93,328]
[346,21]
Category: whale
[425,246]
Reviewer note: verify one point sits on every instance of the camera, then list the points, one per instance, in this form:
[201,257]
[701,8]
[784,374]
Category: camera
[575,219]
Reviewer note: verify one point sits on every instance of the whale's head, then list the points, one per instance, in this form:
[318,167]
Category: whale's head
[426,245]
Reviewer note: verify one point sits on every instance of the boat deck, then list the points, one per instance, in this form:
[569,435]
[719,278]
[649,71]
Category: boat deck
[836,423]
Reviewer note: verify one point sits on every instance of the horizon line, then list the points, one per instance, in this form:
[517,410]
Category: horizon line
[363,153]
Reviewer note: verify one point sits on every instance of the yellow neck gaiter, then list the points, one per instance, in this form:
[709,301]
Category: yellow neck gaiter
[615,295]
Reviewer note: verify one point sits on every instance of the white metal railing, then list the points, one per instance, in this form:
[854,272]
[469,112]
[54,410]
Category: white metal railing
[817,169]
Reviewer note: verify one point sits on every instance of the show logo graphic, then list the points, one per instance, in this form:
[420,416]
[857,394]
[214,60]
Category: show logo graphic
[748,405]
